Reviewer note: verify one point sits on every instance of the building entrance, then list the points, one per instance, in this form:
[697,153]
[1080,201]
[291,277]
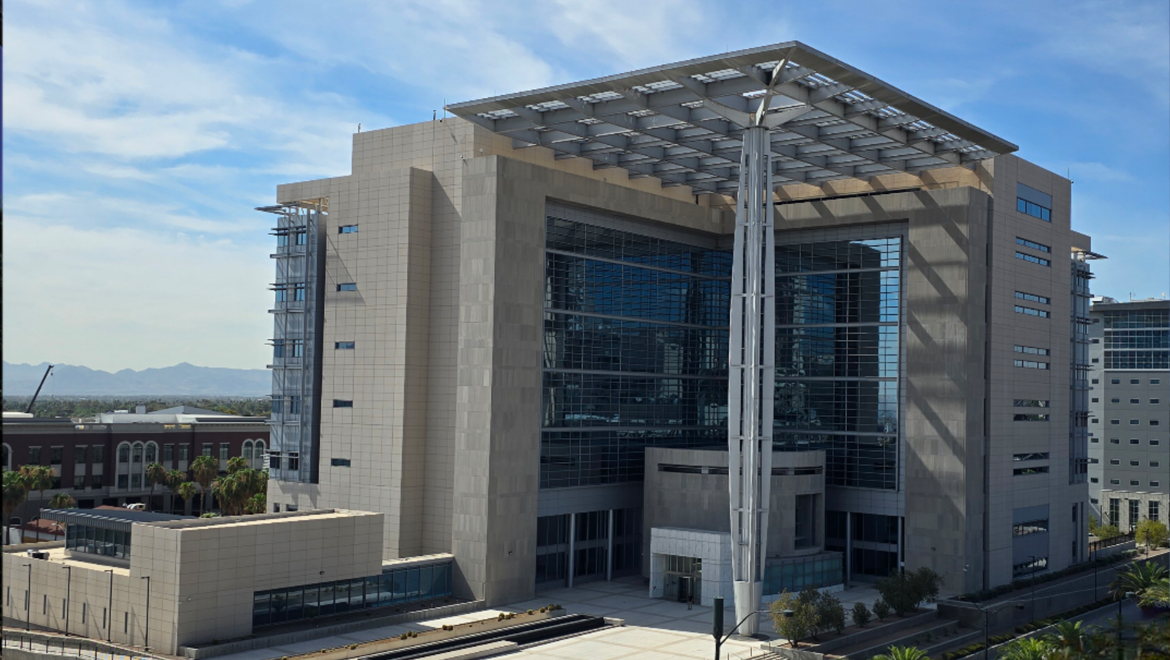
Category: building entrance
[683,579]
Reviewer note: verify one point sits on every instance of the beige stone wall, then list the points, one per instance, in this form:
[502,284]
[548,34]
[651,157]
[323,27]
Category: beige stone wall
[202,576]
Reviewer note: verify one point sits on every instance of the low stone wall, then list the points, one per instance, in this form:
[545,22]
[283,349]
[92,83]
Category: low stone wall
[866,634]
[1051,598]
[238,646]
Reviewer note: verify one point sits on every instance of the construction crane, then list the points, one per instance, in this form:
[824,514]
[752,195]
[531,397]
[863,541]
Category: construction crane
[38,392]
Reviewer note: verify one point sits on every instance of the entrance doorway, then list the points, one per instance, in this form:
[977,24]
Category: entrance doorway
[683,579]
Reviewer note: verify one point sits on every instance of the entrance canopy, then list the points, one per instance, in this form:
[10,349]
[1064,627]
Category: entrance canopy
[683,123]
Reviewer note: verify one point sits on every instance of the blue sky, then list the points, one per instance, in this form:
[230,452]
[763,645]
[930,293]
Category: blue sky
[138,137]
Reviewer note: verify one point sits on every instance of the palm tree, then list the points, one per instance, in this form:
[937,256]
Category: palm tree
[62,501]
[156,474]
[236,463]
[174,478]
[902,653]
[1028,648]
[15,493]
[186,490]
[39,478]
[1069,635]
[1137,578]
[205,469]
[1155,595]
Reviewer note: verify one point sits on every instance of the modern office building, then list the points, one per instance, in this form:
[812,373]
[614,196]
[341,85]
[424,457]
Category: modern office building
[1129,419]
[512,305]
[102,461]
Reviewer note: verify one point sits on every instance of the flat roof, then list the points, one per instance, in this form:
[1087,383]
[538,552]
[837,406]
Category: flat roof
[683,122]
[108,518]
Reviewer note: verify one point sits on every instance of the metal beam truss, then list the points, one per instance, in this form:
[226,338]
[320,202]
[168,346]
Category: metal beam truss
[685,123]
[295,324]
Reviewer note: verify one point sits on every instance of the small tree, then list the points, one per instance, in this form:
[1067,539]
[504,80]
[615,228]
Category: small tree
[861,615]
[62,501]
[1151,533]
[881,609]
[174,478]
[924,585]
[1107,531]
[156,474]
[15,493]
[904,592]
[1093,525]
[205,469]
[186,491]
[792,617]
[830,614]
[812,599]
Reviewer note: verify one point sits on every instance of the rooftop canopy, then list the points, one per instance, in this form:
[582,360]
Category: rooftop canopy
[683,122]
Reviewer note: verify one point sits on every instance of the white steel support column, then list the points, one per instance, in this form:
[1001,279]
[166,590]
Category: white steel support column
[751,374]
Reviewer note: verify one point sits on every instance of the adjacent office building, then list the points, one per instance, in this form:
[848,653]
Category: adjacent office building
[102,460]
[482,329]
[1129,449]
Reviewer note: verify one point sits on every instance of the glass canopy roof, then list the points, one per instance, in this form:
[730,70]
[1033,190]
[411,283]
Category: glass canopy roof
[683,122]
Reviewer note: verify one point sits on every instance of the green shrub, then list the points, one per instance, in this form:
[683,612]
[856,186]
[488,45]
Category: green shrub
[402,636]
[861,615]
[529,611]
[881,609]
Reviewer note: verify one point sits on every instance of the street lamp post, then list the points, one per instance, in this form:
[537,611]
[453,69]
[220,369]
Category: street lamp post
[1033,558]
[717,631]
[1120,648]
[986,624]
[68,593]
[110,609]
[146,634]
[28,601]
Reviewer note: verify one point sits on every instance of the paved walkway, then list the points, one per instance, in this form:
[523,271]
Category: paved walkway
[655,629]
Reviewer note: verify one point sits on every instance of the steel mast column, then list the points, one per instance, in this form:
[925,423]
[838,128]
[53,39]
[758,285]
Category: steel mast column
[751,373]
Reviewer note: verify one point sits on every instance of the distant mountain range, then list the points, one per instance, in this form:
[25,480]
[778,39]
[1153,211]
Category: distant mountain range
[180,380]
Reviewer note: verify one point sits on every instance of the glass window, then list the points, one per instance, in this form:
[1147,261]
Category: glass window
[342,403]
[261,608]
[124,453]
[151,452]
[99,455]
[1031,259]
[224,451]
[347,286]
[184,452]
[347,229]
[1032,244]
[344,345]
[79,454]
[168,454]
[207,449]
[412,575]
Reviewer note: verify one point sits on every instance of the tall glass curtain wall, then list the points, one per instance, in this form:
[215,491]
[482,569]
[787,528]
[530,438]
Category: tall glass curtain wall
[635,351]
[585,536]
[1137,339]
[837,356]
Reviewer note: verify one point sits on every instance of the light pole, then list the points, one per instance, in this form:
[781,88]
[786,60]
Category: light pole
[110,609]
[717,630]
[28,600]
[68,589]
[1033,558]
[146,634]
[1120,648]
[986,616]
